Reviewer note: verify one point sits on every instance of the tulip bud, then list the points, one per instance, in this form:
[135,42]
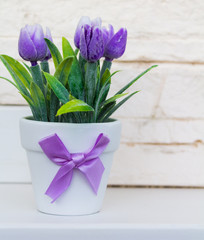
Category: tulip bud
[31,45]
[91,43]
[115,44]
[82,22]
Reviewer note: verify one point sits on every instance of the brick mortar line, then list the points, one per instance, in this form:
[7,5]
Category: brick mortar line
[124,185]
[154,186]
[159,118]
[194,144]
[149,61]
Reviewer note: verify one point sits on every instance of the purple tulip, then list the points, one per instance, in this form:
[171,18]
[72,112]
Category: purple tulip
[31,45]
[82,22]
[48,36]
[91,43]
[115,44]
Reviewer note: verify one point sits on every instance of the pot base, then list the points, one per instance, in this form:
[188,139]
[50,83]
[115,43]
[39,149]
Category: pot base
[68,215]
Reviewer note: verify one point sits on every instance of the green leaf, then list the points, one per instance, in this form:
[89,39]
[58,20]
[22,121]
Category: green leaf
[82,64]
[74,105]
[76,84]
[20,70]
[35,111]
[99,99]
[63,70]
[16,73]
[61,73]
[135,79]
[71,97]
[111,76]
[105,76]
[67,49]
[54,105]
[45,66]
[98,82]
[104,110]
[28,100]
[106,79]
[38,100]
[114,108]
[106,65]
[27,67]
[76,52]
[57,87]
[10,82]
[56,55]
[115,97]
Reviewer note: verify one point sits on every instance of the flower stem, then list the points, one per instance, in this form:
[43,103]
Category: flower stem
[37,77]
[45,68]
[90,82]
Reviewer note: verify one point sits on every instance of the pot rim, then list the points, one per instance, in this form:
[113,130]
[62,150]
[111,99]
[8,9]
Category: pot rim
[32,131]
[112,121]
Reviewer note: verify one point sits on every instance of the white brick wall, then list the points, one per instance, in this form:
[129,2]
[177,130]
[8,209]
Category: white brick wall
[163,125]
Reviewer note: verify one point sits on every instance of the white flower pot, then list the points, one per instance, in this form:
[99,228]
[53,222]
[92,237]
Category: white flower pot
[79,198]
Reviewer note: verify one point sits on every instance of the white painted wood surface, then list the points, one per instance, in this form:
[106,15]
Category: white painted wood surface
[144,214]
[163,125]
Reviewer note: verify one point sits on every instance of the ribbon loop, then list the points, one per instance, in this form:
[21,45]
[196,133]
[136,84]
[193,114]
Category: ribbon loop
[88,163]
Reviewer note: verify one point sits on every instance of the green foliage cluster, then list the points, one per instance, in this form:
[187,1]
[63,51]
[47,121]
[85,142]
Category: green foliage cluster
[76,93]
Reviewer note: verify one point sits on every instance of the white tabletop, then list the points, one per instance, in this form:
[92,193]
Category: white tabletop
[142,213]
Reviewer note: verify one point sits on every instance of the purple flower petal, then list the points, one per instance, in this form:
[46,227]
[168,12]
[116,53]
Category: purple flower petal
[116,46]
[83,21]
[26,47]
[38,41]
[105,35]
[96,22]
[83,45]
[48,36]
[88,33]
[96,45]
[111,31]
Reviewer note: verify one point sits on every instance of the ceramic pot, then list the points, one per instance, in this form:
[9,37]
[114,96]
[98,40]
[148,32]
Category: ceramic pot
[79,198]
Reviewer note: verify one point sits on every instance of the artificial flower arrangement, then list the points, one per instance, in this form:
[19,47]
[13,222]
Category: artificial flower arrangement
[77,91]
[70,134]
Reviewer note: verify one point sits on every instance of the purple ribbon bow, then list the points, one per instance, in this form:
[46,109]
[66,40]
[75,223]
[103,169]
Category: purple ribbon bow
[88,163]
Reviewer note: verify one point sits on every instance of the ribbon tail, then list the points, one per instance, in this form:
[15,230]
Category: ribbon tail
[60,183]
[93,171]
